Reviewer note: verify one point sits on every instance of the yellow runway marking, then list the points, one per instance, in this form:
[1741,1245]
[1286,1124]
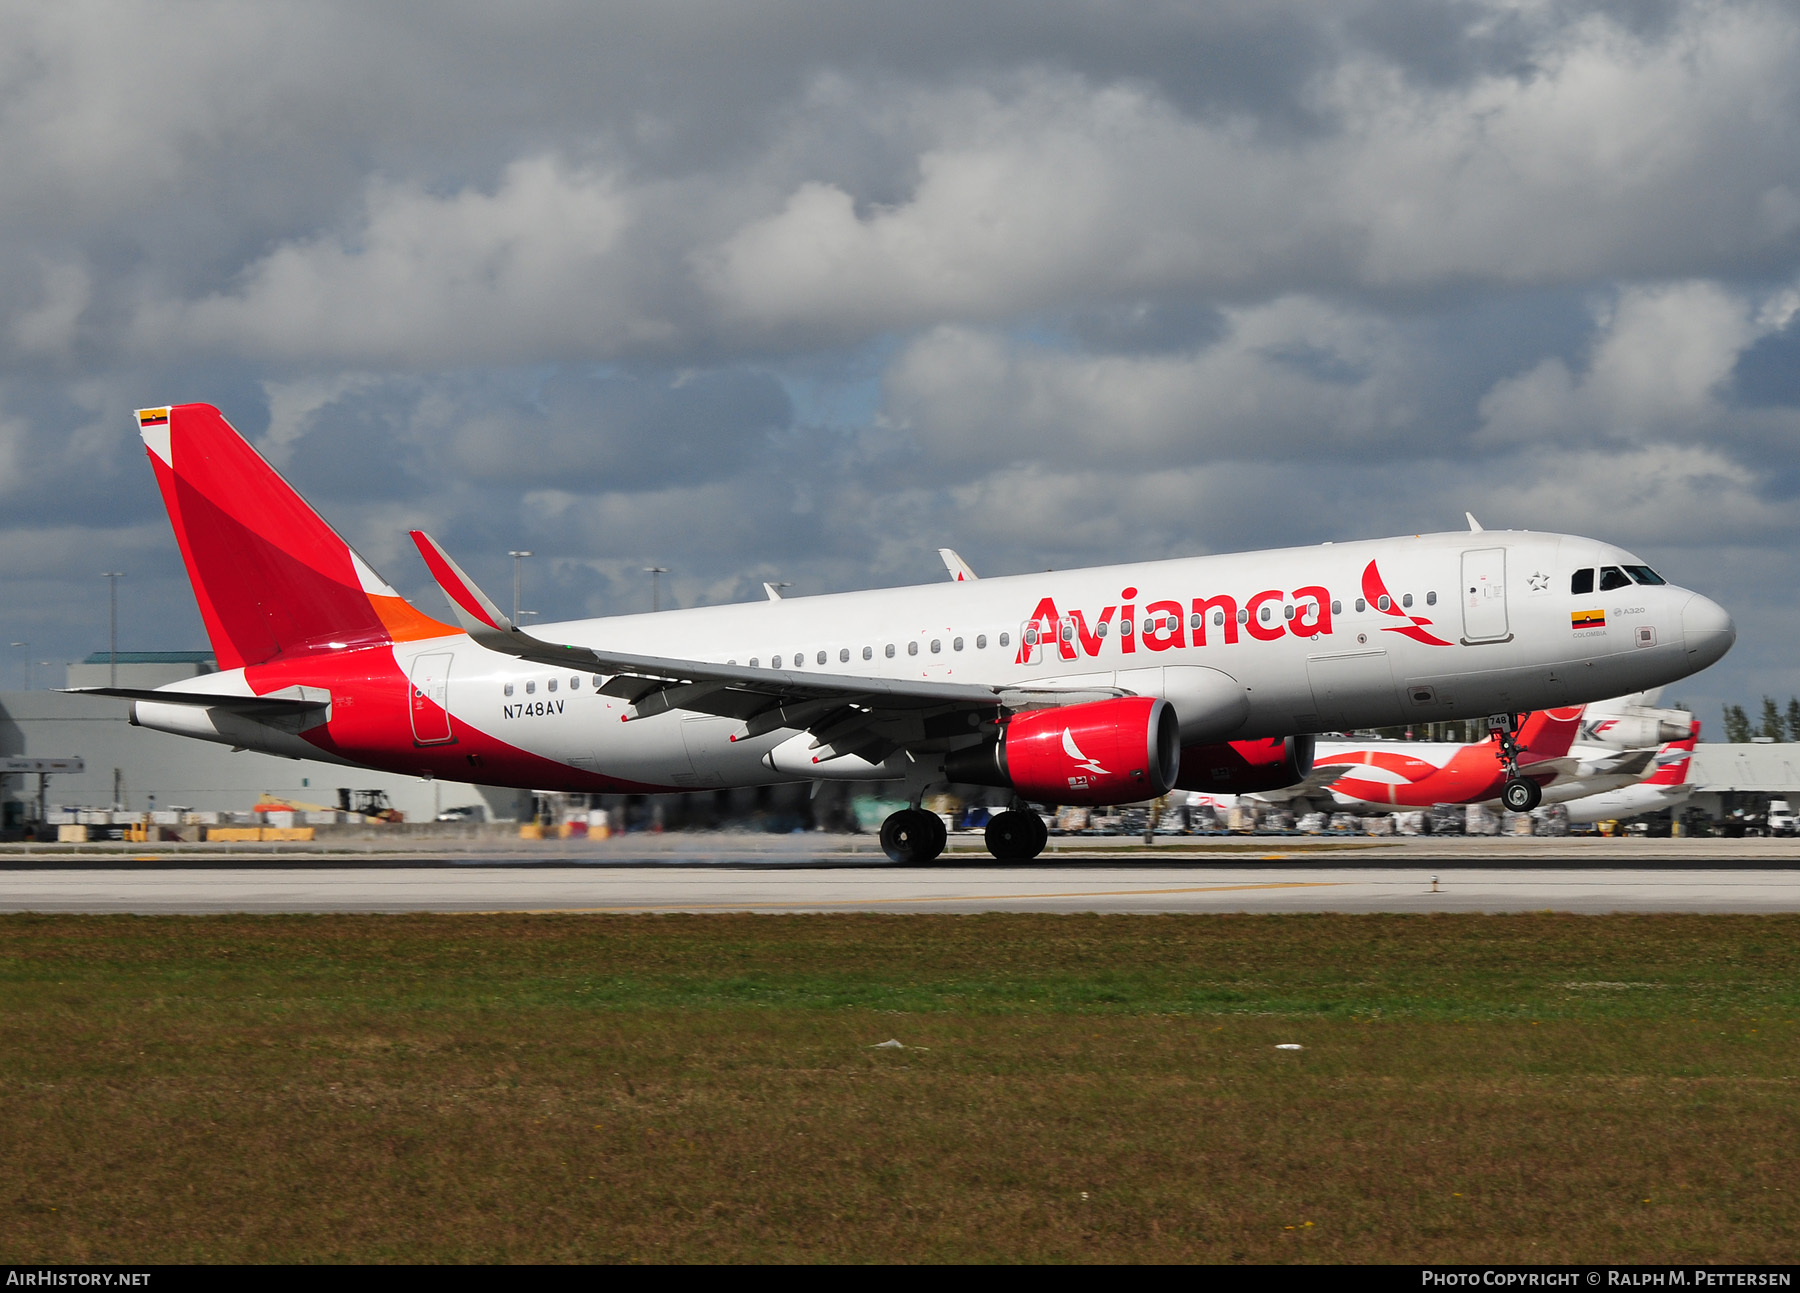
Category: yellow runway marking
[870,902]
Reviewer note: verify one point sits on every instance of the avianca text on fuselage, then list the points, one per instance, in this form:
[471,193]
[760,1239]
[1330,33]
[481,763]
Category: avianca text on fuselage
[1176,623]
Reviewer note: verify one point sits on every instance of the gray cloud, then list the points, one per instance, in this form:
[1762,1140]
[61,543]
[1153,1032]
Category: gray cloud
[803,290]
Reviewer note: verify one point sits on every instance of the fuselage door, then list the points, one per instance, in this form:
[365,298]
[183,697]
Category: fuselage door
[1484,595]
[429,699]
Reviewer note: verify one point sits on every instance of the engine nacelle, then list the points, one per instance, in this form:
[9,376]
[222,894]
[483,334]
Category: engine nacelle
[1245,767]
[1104,752]
[1637,726]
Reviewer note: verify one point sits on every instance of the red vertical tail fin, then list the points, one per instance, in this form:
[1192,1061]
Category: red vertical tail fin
[272,578]
[1548,733]
[1673,761]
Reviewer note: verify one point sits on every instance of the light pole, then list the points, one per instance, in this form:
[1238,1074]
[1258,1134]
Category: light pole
[656,573]
[518,577]
[112,578]
[29,672]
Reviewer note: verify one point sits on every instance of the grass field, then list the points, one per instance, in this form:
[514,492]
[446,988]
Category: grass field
[597,1088]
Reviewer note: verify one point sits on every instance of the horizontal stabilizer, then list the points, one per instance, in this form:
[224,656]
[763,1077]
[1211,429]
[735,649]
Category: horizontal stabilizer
[290,700]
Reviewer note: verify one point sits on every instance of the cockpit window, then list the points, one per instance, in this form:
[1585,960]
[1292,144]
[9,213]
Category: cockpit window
[1582,581]
[1612,577]
[1645,575]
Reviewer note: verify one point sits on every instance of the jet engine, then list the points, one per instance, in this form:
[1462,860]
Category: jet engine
[1104,752]
[1636,726]
[1245,767]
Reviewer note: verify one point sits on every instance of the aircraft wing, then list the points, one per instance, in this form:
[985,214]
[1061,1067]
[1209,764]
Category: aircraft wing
[1320,778]
[1624,763]
[959,569]
[870,717]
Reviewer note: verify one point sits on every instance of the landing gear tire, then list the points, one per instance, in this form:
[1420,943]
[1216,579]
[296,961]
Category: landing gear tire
[913,837]
[1521,795]
[1016,835]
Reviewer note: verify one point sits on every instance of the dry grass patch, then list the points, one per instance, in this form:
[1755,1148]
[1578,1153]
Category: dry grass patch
[703,1088]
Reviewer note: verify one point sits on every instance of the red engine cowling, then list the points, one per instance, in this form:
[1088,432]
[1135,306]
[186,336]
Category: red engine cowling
[1104,752]
[1244,767]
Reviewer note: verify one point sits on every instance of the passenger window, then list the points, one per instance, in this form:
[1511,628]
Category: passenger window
[1337,606]
[1265,615]
[552,684]
[1287,612]
[868,653]
[821,657]
[507,690]
[1430,599]
[1244,616]
[843,655]
[1645,575]
[531,688]
[1612,577]
[1194,620]
[1100,629]
[598,680]
[1582,581]
[890,651]
[575,683]
[1383,602]
[799,659]
[1218,619]
[1068,631]
[1006,639]
[1361,605]
[937,645]
[956,645]
[1406,601]
[1031,636]
[912,648]
[753,664]
[1124,628]
[981,641]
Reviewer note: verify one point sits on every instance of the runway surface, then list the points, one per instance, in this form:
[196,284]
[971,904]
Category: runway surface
[1087,886]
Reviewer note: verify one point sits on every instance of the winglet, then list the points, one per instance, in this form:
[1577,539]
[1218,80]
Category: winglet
[1474,525]
[771,590]
[958,568]
[474,611]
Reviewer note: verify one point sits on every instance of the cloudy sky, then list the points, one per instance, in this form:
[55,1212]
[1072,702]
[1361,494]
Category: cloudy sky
[802,291]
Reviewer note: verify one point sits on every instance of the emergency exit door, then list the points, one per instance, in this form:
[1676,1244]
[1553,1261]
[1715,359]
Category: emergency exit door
[1484,595]
[430,699]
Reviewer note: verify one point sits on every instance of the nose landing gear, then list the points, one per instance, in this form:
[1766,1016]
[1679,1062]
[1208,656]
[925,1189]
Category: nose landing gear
[1520,794]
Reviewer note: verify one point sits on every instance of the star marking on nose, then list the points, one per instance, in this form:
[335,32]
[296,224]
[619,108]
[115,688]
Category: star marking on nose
[1539,581]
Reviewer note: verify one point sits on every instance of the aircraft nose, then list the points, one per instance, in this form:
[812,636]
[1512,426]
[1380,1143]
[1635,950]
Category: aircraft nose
[1707,629]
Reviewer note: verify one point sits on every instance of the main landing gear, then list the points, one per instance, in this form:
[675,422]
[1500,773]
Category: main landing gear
[1016,835]
[913,837]
[1520,794]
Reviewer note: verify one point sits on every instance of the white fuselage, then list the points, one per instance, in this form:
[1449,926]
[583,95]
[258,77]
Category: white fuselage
[1282,648]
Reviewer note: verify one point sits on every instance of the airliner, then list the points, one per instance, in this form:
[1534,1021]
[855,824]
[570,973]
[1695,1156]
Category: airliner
[1099,686]
[1385,776]
[1667,786]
